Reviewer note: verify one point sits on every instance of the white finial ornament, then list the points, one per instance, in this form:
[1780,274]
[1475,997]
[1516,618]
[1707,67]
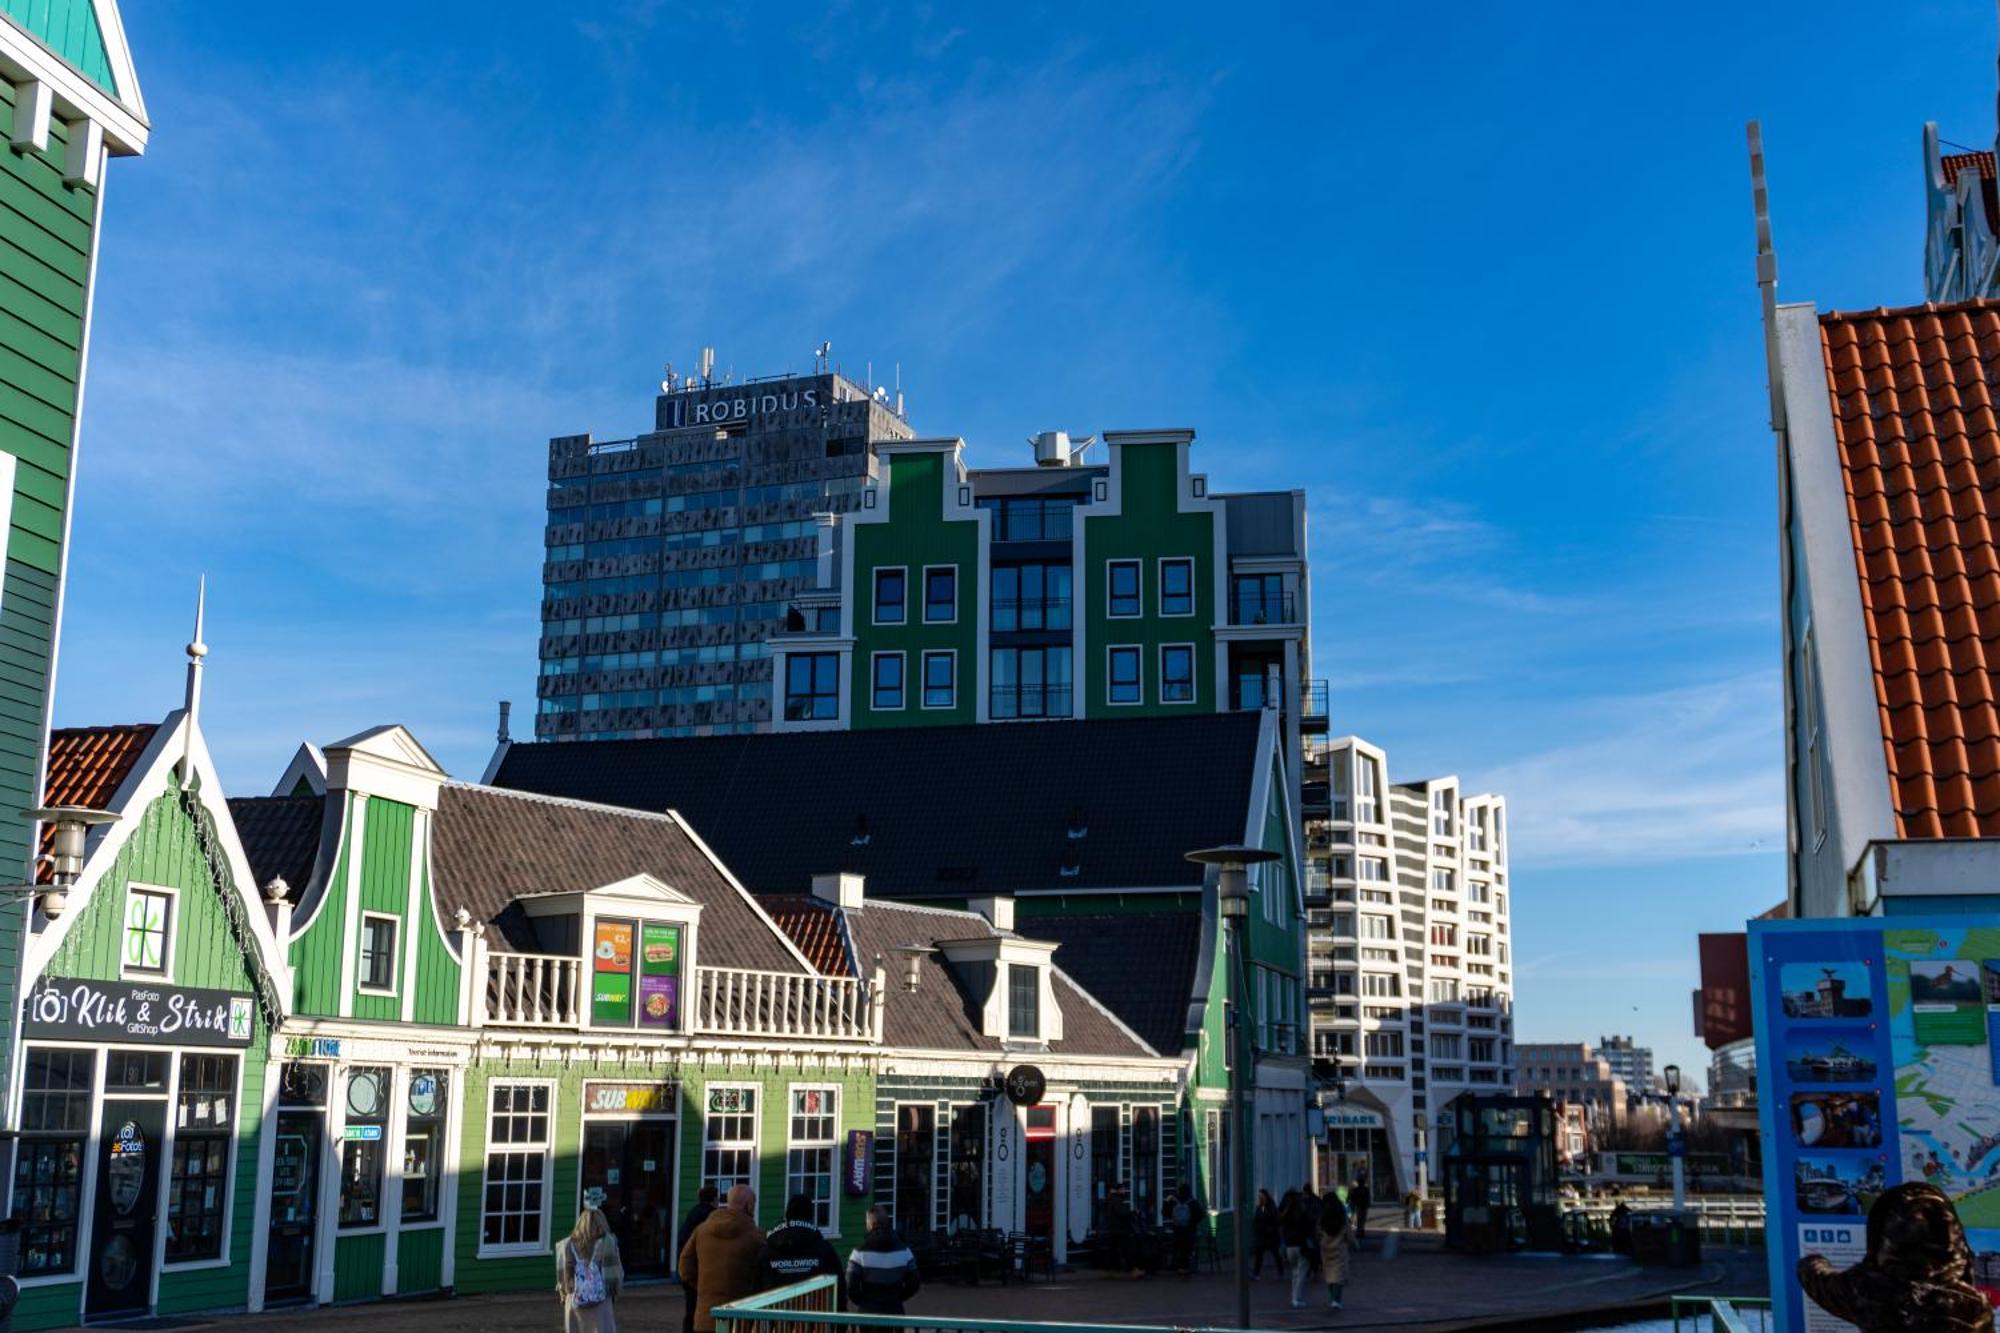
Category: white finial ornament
[196,651]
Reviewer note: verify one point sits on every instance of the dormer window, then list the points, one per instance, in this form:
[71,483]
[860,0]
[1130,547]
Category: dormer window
[1024,1001]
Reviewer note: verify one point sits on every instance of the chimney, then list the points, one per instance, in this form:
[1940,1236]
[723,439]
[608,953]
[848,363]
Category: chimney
[505,709]
[840,889]
[998,910]
[826,574]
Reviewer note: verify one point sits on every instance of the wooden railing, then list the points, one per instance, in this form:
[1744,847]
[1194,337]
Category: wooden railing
[549,991]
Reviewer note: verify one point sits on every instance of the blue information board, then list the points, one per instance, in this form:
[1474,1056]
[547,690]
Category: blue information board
[1877,1060]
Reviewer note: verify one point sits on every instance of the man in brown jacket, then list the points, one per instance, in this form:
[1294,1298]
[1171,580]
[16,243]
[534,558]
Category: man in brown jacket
[719,1261]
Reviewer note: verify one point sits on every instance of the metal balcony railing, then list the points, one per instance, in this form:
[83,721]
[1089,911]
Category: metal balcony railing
[1315,707]
[1249,606]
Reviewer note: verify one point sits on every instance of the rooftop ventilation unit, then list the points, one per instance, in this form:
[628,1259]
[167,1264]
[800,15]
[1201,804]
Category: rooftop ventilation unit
[1054,448]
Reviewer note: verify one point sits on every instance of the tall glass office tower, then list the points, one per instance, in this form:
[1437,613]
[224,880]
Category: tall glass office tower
[673,556]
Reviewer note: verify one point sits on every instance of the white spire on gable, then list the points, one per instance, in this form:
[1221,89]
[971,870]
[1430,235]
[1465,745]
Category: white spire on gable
[196,651]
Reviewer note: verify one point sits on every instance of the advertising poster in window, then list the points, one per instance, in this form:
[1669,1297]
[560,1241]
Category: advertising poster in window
[1876,1040]
[611,973]
[660,976]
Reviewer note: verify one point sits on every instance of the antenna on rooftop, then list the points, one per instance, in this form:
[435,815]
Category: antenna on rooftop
[707,365]
[667,384]
[820,355]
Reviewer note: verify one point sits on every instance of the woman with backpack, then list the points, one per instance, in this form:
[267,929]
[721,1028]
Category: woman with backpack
[589,1274]
[1334,1238]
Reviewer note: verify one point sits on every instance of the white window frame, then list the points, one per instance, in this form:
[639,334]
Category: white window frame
[831,1145]
[1194,676]
[1139,572]
[1161,591]
[361,985]
[756,1091]
[546,1244]
[875,591]
[167,944]
[952,619]
[902,690]
[1138,652]
[923,682]
[1041,979]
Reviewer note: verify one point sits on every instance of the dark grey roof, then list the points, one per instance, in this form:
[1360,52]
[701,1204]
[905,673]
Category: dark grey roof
[490,847]
[1140,964]
[1034,480]
[280,836]
[941,1014]
[929,812]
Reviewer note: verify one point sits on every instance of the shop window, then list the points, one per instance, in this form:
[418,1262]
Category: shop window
[378,953]
[423,1144]
[135,1071]
[48,1161]
[968,1166]
[198,1186]
[361,1147]
[729,1139]
[149,918]
[916,1167]
[1146,1161]
[809,1155]
[517,1167]
[1103,1161]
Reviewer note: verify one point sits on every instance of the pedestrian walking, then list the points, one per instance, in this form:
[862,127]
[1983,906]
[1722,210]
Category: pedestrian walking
[704,1204]
[1121,1228]
[1358,1199]
[1264,1232]
[881,1273]
[1916,1277]
[1179,1215]
[796,1249]
[1295,1234]
[720,1259]
[1334,1238]
[589,1274]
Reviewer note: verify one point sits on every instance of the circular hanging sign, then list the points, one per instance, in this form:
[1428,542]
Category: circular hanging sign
[1025,1085]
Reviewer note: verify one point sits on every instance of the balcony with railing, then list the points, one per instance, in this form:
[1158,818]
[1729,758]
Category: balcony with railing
[550,991]
[1253,606]
[1315,708]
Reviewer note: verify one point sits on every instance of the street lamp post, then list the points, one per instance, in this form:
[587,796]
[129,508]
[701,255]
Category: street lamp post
[1232,897]
[1676,1145]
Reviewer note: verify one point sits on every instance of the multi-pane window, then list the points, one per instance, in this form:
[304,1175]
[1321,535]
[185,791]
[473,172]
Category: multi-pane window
[941,594]
[423,1143]
[1381,984]
[812,687]
[197,1184]
[968,1164]
[1122,588]
[1389,1044]
[891,594]
[517,1166]
[886,681]
[1377,927]
[1030,518]
[1338,786]
[1177,587]
[940,679]
[809,1155]
[1030,682]
[48,1160]
[378,952]
[149,917]
[1125,687]
[1444,990]
[1443,881]
[1024,1001]
[1481,1048]
[1031,596]
[1177,673]
[1445,936]
[729,1139]
[362,1147]
[1371,868]
[1441,812]
[1367,785]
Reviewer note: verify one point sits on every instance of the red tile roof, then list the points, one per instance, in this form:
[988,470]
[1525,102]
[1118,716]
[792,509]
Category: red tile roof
[1954,163]
[814,927]
[1913,394]
[87,765]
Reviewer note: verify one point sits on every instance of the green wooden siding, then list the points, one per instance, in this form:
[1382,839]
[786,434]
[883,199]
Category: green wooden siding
[316,953]
[473,1274]
[917,534]
[70,29]
[1147,527]
[357,1266]
[385,887]
[437,970]
[419,1261]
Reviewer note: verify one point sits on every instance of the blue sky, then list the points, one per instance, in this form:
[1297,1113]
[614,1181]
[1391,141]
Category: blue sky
[1479,279]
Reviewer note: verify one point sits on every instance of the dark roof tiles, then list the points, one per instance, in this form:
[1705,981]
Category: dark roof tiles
[280,836]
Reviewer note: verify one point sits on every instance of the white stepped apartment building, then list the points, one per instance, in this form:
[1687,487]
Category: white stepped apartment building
[1410,971]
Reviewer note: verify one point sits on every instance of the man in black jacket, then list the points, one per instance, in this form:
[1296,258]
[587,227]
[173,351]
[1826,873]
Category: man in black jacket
[795,1250]
[881,1273]
[703,1206]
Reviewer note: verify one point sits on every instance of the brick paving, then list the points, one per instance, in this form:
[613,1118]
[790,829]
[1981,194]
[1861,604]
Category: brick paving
[1424,1287]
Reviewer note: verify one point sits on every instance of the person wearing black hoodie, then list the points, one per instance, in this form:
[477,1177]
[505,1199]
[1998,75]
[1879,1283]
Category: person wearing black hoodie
[795,1250]
[881,1273]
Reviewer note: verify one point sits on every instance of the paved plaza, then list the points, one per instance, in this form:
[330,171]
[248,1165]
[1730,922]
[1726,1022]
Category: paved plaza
[1423,1288]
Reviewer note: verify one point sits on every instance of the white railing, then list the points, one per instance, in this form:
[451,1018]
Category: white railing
[738,1002]
[548,991]
[534,990]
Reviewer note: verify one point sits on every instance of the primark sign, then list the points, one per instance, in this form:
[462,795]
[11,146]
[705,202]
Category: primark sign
[741,405]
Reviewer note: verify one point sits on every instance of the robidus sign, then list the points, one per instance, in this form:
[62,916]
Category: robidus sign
[72,1009]
[685,411]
